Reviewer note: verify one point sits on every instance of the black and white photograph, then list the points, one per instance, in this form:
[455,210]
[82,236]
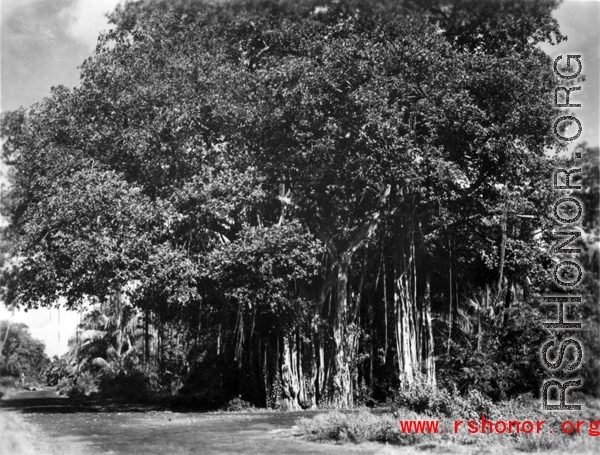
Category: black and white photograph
[299,227]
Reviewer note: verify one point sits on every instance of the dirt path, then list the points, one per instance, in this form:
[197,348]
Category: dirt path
[58,425]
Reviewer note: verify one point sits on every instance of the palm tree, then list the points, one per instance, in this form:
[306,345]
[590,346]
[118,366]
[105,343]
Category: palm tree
[485,303]
[109,335]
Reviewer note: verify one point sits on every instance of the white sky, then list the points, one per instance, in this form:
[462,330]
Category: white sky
[44,41]
[54,327]
[580,21]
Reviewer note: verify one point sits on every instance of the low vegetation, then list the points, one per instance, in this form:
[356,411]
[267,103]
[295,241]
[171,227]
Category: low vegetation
[428,399]
[8,385]
[16,435]
[355,427]
[237,405]
[22,359]
[374,425]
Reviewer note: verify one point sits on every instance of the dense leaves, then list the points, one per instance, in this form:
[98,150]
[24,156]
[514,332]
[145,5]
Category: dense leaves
[297,197]
[21,353]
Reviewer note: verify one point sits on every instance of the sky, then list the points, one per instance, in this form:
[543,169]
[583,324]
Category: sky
[580,21]
[42,43]
[53,326]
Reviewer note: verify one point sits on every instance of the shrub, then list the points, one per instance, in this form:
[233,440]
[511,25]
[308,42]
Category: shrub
[357,427]
[58,370]
[83,384]
[363,394]
[275,391]
[473,405]
[542,442]
[8,385]
[237,405]
[426,398]
[136,385]
[8,381]
[508,364]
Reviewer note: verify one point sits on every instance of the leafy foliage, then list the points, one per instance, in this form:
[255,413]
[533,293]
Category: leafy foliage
[425,398]
[237,405]
[21,353]
[84,384]
[225,164]
[356,428]
[508,363]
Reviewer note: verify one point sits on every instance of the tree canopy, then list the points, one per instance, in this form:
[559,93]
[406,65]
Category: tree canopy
[21,353]
[305,195]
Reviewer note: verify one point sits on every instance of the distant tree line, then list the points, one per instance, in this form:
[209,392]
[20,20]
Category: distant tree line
[299,202]
[20,352]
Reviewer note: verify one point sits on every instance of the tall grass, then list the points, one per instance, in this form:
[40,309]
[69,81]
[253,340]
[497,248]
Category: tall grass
[364,425]
[355,427]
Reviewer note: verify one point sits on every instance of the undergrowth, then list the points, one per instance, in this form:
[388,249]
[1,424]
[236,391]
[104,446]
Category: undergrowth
[355,427]
[428,402]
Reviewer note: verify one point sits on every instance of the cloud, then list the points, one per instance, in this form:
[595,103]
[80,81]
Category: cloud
[87,18]
[8,6]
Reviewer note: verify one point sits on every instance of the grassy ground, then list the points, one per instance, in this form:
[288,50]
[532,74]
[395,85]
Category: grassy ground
[365,425]
[16,435]
[63,427]
[10,385]
[87,427]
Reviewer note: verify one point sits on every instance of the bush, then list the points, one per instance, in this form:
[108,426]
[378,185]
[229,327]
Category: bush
[8,381]
[274,392]
[237,405]
[365,426]
[58,370]
[358,427]
[426,398]
[136,385]
[508,364]
[8,385]
[363,394]
[85,384]
[473,405]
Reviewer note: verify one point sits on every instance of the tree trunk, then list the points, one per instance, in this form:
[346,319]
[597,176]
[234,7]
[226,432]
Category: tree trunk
[289,376]
[340,391]
[302,393]
[323,370]
[315,367]
[414,334]
[479,330]
[404,312]
[341,395]
[372,339]
[147,337]
[427,359]
[502,250]
[450,296]
[385,315]
[507,301]
[9,323]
